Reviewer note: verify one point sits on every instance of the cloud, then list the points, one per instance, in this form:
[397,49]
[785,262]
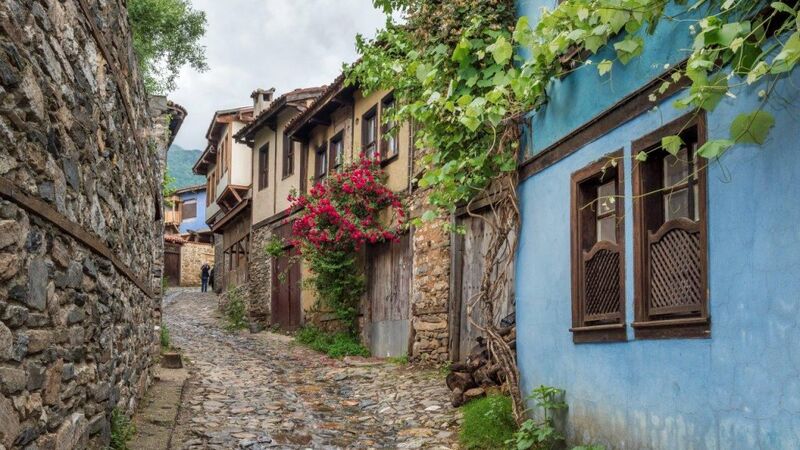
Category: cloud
[251,44]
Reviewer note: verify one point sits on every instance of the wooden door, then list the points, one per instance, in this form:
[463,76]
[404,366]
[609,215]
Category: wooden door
[389,269]
[172,264]
[286,303]
[469,251]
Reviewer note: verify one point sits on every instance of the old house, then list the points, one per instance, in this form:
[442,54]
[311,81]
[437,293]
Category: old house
[185,213]
[669,318]
[336,129]
[227,167]
[188,242]
[278,169]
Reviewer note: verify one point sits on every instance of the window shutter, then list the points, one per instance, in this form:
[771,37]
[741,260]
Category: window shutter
[598,293]
[670,236]
[189,210]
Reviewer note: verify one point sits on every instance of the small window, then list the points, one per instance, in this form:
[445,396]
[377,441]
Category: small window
[321,162]
[369,133]
[598,294]
[188,210]
[337,151]
[670,235]
[390,146]
[263,166]
[288,156]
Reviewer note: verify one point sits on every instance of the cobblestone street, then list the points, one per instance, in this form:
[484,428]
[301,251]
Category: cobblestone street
[263,390]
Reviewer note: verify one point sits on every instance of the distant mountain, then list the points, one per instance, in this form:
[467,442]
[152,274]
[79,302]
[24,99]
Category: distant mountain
[179,164]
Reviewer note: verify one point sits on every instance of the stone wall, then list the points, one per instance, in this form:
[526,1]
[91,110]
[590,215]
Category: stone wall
[430,294]
[218,263]
[80,175]
[259,305]
[193,256]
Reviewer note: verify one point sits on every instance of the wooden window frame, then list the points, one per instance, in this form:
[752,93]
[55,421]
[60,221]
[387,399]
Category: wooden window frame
[321,161]
[601,171]
[387,154]
[699,325]
[184,215]
[288,157]
[332,160]
[263,167]
[371,113]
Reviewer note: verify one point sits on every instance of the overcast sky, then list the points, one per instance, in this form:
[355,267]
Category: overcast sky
[251,44]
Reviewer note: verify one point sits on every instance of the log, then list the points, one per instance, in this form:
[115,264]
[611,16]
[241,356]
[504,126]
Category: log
[460,380]
[458,367]
[457,399]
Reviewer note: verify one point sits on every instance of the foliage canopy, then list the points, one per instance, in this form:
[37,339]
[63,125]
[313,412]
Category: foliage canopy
[166,37]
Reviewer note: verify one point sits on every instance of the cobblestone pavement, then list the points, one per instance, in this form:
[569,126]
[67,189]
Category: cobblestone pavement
[259,391]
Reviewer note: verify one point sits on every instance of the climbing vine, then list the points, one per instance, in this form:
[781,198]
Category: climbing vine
[341,214]
[469,71]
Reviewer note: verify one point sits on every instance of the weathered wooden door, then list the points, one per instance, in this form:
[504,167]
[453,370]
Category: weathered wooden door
[468,253]
[389,269]
[172,264]
[286,290]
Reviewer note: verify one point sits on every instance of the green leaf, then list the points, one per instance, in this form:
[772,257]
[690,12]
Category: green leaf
[593,43]
[789,55]
[470,122]
[461,52]
[428,216]
[783,7]
[501,50]
[672,144]
[641,156]
[604,67]
[752,128]
[714,148]
[422,72]
[629,48]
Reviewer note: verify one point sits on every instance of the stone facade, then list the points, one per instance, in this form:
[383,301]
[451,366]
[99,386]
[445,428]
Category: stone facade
[259,305]
[80,239]
[193,256]
[430,292]
[218,263]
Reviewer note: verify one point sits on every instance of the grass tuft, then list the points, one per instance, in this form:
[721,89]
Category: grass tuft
[165,344]
[398,360]
[122,430]
[335,345]
[488,423]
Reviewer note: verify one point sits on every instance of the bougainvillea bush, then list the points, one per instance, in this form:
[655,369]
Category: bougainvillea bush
[339,216]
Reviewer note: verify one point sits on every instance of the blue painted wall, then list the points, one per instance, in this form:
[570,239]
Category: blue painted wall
[740,389]
[198,223]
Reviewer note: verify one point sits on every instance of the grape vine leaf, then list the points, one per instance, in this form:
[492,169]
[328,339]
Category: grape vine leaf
[752,128]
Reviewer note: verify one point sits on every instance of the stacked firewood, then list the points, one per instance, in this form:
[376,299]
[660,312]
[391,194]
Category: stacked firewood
[480,372]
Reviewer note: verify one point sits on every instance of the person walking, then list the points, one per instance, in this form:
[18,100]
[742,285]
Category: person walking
[205,272]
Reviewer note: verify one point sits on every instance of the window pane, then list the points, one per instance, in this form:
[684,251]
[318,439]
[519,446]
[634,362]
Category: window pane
[676,204]
[607,229]
[676,168]
[606,197]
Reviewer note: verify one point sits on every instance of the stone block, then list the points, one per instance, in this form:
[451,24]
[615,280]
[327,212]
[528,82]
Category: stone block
[52,386]
[39,340]
[6,343]
[38,274]
[9,266]
[15,316]
[12,379]
[9,422]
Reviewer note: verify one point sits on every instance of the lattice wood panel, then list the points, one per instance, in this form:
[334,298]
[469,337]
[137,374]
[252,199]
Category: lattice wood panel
[675,273]
[602,287]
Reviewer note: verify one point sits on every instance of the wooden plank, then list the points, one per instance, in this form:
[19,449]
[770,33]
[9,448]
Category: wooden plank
[10,191]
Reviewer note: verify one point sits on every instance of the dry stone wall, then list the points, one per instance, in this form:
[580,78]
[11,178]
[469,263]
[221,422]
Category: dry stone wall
[430,294]
[260,306]
[80,172]
[193,256]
